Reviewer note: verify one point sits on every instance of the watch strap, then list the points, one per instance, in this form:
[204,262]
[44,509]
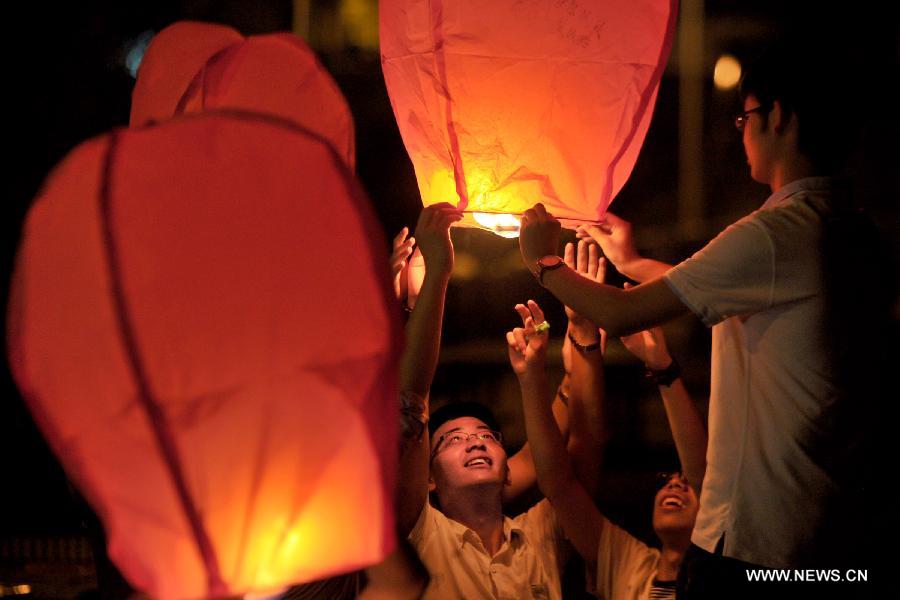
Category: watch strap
[543,268]
[667,376]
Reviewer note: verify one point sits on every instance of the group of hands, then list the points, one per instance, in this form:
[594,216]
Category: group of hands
[431,245]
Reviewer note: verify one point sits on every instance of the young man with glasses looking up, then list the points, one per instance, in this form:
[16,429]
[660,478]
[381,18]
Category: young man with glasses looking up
[470,548]
[787,419]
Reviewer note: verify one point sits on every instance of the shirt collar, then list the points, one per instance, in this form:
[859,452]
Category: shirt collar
[512,533]
[807,184]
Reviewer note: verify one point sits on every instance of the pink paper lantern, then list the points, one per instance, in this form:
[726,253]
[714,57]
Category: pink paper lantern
[506,103]
[203,326]
[191,67]
[173,59]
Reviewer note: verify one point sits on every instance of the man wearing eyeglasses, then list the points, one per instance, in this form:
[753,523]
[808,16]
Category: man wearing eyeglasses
[467,545]
[471,549]
[785,421]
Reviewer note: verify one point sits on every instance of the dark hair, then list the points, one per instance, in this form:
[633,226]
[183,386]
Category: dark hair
[455,410]
[812,79]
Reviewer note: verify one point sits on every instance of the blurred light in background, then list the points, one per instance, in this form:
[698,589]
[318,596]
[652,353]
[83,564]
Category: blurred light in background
[360,22]
[15,590]
[727,72]
[465,266]
[135,49]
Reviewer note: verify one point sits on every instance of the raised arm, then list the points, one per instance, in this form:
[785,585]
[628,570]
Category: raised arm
[573,505]
[419,360]
[521,464]
[584,344]
[685,421]
[581,401]
[619,312]
[616,241]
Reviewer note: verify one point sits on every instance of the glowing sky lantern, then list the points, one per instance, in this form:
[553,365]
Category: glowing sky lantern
[506,103]
[173,59]
[223,393]
[190,67]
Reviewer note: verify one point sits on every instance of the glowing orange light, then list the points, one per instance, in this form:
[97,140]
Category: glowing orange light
[506,103]
[727,72]
[502,224]
[225,399]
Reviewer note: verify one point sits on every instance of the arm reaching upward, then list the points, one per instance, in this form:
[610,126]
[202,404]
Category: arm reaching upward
[402,247]
[573,505]
[419,360]
[423,330]
[521,464]
[584,344]
[619,312]
[688,429]
[585,437]
[617,243]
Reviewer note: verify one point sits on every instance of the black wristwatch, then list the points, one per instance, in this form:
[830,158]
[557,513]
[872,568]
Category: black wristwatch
[547,263]
[665,376]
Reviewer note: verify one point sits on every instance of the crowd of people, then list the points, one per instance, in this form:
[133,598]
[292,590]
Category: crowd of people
[779,480]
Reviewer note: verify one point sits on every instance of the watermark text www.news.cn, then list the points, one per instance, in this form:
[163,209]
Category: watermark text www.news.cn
[808,575]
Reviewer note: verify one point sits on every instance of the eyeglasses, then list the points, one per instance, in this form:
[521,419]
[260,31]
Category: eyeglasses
[453,438]
[740,121]
[663,479]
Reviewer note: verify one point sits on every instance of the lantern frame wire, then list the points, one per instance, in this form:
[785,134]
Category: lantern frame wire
[187,504]
[145,396]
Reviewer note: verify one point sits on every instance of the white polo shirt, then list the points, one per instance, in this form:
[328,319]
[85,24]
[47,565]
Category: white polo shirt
[626,567]
[527,566]
[773,430]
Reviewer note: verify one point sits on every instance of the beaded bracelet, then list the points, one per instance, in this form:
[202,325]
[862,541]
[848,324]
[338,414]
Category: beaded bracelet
[581,347]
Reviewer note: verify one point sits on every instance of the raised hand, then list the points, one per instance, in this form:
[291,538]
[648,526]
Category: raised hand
[433,236]
[585,259]
[415,276]
[538,235]
[649,346]
[527,345]
[401,250]
[615,239]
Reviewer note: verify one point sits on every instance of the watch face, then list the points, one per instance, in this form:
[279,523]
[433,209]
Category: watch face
[547,263]
[550,261]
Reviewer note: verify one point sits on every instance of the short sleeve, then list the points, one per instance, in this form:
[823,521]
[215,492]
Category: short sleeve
[625,565]
[732,275]
[542,527]
[423,527]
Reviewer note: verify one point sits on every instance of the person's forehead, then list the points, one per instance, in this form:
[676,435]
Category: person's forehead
[460,423]
[750,101]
